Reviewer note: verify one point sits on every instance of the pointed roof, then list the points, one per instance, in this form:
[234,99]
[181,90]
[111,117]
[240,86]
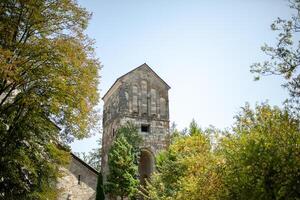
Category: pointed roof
[84,163]
[141,66]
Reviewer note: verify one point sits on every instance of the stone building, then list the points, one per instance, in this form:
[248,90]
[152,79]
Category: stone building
[78,181]
[141,97]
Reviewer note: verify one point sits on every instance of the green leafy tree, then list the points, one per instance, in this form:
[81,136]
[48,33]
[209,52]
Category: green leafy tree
[48,90]
[262,156]
[284,56]
[100,188]
[132,136]
[174,132]
[194,129]
[131,133]
[257,159]
[121,180]
[187,170]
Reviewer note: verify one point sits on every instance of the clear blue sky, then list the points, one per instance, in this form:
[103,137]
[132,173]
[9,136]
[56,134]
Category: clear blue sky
[201,48]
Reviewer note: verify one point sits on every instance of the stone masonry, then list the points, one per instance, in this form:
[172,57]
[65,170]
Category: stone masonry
[141,97]
[79,181]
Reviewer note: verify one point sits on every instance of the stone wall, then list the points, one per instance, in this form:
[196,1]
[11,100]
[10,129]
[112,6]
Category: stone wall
[141,97]
[157,138]
[78,182]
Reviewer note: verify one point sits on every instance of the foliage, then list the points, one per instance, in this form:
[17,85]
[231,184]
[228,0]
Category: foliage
[187,170]
[123,162]
[284,57]
[132,136]
[47,179]
[175,133]
[48,79]
[100,191]
[33,171]
[194,129]
[263,155]
[259,158]
[121,180]
[93,158]
[28,160]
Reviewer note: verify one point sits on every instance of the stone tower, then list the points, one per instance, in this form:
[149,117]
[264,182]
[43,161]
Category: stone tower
[141,97]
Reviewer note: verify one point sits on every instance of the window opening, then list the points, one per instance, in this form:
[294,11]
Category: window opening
[79,179]
[145,128]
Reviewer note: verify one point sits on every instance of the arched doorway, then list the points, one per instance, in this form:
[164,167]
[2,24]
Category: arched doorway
[146,165]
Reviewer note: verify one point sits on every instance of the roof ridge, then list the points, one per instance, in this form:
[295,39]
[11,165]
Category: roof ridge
[144,64]
[84,163]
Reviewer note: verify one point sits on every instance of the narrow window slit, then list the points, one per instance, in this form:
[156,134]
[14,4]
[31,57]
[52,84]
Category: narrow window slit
[79,179]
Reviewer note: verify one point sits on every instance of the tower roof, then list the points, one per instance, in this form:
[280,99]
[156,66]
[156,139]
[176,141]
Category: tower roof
[139,67]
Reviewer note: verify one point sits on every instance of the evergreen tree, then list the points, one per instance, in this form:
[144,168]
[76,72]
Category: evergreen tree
[194,129]
[100,191]
[122,180]
[132,136]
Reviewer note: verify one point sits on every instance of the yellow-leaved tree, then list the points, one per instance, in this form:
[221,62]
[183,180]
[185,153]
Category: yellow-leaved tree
[187,170]
[48,91]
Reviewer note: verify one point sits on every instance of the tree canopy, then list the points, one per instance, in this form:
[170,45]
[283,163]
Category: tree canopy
[121,180]
[262,156]
[284,56]
[48,90]
[123,159]
[100,188]
[187,170]
[257,159]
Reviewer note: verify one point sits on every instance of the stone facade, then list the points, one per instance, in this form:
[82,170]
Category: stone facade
[141,97]
[79,181]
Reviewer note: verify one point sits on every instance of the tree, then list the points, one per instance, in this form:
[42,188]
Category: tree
[132,136]
[93,158]
[257,159]
[284,57]
[121,180]
[262,156]
[194,129]
[187,170]
[48,90]
[128,137]
[100,190]
[174,132]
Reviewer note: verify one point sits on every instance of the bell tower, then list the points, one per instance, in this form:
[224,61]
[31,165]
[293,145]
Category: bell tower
[141,97]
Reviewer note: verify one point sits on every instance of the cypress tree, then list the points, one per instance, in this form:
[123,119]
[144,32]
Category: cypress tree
[121,180]
[100,192]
